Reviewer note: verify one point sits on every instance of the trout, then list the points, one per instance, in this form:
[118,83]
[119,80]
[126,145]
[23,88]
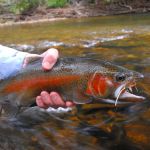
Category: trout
[78,79]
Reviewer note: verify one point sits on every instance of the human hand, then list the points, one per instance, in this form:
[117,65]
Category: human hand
[53,99]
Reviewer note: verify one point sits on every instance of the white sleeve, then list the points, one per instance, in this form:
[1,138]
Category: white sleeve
[10,61]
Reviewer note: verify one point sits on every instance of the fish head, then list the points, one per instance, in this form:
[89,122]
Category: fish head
[115,83]
[124,82]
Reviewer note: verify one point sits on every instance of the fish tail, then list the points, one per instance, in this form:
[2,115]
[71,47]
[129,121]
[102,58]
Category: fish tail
[0,109]
[10,109]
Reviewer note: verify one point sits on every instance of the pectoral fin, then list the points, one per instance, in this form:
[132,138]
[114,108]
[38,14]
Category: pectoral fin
[81,98]
[10,109]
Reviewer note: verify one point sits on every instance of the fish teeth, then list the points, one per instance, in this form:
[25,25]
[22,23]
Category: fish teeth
[136,88]
[130,89]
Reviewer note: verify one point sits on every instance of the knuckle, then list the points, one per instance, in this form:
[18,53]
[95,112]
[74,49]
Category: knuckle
[53,53]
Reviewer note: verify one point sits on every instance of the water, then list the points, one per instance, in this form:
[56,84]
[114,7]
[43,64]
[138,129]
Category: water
[122,40]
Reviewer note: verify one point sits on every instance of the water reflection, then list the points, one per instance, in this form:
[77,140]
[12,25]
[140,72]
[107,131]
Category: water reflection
[122,40]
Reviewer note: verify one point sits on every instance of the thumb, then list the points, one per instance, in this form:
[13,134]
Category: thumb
[50,58]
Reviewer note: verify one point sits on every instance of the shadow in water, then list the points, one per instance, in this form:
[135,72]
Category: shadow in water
[35,128]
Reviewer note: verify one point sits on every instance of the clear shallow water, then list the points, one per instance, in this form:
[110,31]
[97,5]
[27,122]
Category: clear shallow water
[122,40]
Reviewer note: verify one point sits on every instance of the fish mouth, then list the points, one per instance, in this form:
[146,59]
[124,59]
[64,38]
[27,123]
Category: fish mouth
[129,97]
[125,93]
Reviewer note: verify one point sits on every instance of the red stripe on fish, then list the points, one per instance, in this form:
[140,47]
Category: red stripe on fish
[42,82]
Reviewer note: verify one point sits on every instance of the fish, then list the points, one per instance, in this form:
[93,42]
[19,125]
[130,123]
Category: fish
[79,79]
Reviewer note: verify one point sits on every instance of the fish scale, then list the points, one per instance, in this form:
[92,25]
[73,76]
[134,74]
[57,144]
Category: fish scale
[78,79]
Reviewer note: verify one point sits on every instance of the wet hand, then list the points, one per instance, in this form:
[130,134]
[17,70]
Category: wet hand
[53,99]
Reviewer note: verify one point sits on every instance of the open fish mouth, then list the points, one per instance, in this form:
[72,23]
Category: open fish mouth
[125,94]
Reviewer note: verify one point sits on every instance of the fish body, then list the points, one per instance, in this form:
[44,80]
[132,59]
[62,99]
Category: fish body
[78,79]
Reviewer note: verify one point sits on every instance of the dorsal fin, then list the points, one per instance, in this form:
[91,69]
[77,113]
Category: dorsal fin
[30,59]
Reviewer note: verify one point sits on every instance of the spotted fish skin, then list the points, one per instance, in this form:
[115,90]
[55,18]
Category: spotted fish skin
[74,78]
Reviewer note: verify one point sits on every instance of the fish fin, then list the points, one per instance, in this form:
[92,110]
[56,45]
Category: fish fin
[81,98]
[32,104]
[30,59]
[0,109]
[10,109]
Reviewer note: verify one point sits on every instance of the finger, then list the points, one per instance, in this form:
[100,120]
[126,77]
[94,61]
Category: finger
[70,103]
[47,100]
[50,58]
[26,59]
[40,102]
[57,100]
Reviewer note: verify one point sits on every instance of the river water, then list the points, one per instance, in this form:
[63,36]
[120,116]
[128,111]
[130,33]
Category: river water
[122,40]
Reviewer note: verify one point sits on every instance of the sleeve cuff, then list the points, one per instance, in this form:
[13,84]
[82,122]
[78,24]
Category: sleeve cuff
[11,61]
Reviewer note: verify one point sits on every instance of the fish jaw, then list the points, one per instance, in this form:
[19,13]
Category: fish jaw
[123,95]
[129,97]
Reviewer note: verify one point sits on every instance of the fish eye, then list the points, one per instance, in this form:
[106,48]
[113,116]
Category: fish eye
[120,77]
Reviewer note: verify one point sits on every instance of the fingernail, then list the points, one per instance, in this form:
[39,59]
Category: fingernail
[44,96]
[38,99]
[47,65]
[54,97]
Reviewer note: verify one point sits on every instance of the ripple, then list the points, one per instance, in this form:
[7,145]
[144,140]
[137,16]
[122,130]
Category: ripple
[23,47]
[126,31]
[117,37]
[91,43]
[49,44]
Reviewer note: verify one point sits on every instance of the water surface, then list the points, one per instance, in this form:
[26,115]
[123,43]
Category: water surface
[122,40]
